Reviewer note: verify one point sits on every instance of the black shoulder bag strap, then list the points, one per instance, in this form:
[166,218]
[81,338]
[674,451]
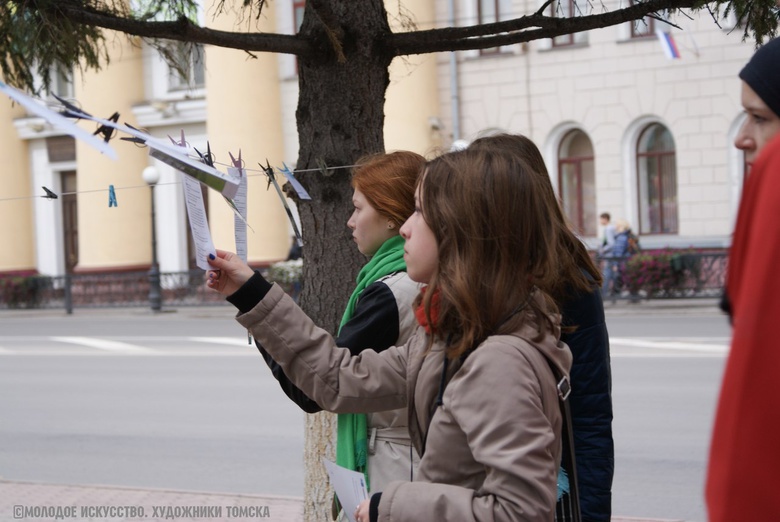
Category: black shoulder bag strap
[568,460]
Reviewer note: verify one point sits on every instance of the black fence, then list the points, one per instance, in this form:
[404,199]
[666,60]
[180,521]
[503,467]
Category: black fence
[130,289]
[659,274]
[667,274]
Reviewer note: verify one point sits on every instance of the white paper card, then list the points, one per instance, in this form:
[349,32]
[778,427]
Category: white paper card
[199,225]
[240,202]
[56,119]
[350,487]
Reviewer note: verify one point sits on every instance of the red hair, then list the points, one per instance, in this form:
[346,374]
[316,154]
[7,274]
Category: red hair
[388,182]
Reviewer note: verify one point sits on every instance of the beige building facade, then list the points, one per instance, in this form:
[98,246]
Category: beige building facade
[622,128]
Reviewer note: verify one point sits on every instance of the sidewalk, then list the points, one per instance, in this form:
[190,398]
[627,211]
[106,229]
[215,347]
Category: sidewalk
[94,503]
[704,306]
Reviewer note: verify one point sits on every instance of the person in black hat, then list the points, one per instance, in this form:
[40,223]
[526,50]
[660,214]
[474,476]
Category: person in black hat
[744,458]
[761,100]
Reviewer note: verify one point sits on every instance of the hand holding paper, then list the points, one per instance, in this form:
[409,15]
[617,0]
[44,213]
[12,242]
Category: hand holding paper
[227,272]
[350,487]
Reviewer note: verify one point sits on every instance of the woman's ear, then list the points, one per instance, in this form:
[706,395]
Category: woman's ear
[390,225]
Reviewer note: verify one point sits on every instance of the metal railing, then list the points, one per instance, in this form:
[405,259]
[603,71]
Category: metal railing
[668,274]
[130,289]
[661,274]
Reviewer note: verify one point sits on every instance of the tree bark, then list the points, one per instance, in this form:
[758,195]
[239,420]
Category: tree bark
[340,118]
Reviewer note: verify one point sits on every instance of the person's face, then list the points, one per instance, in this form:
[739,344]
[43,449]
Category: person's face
[604,221]
[760,125]
[421,251]
[369,228]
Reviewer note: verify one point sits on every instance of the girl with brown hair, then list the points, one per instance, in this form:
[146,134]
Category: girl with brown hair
[478,375]
[577,292]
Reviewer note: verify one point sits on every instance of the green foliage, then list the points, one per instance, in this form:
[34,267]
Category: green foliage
[35,36]
[756,18]
[50,38]
[165,11]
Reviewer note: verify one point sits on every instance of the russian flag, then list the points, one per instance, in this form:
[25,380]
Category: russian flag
[668,44]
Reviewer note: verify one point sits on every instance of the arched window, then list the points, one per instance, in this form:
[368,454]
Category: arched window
[577,181]
[657,181]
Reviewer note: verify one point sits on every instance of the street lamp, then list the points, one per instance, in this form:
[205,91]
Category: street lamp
[151,176]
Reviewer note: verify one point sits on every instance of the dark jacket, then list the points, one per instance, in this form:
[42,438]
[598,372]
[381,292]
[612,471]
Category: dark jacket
[591,402]
[620,248]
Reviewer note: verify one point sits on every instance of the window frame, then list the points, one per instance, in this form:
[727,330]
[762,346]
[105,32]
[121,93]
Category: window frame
[501,12]
[564,40]
[649,22]
[196,66]
[577,161]
[658,157]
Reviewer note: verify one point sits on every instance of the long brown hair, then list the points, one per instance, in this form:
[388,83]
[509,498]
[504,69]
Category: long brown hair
[388,182]
[496,244]
[574,260]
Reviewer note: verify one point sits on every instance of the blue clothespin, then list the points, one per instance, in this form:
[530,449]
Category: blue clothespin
[112,197]
[302,194]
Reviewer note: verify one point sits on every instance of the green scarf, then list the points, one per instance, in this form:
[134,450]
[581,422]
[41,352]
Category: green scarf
[352,440]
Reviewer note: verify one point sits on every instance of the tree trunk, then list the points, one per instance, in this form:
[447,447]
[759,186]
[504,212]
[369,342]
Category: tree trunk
[340,118]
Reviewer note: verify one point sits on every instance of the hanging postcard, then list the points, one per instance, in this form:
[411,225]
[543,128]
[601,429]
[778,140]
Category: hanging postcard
[58,120]
[239,223]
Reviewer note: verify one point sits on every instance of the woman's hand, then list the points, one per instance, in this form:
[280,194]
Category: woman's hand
[361,512]
[230,272]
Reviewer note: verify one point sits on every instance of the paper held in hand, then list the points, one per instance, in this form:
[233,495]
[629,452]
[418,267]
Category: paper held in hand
[350,487]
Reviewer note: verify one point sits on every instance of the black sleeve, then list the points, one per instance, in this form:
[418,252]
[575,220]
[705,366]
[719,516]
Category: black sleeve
[373,507]
[374,324]
[250,293]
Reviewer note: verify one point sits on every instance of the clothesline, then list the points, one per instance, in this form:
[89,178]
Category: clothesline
[259,172]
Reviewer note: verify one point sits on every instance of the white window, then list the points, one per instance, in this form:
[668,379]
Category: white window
[642,28]
[565,9]
[187,71]
[490,12]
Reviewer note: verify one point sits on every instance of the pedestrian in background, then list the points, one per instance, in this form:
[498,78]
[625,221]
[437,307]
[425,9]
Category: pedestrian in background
[615,261]
[609,234]
[744,460]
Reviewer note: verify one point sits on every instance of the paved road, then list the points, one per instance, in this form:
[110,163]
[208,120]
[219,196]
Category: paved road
[137,400]
[179,401]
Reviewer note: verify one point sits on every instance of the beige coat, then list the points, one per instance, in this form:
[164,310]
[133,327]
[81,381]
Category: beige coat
[390,453]
[491,451]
